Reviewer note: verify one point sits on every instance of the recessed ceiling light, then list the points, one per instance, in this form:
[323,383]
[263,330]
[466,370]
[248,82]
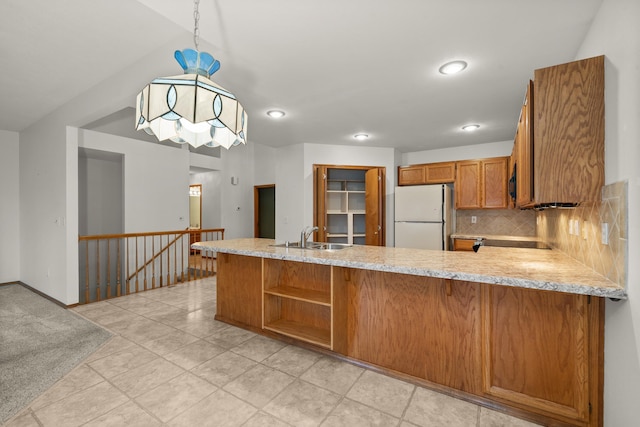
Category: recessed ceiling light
[470,128]
[453,67]
[275,114]
[361,136]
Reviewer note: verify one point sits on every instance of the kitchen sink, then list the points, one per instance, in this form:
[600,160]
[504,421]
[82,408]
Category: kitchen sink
[319,246]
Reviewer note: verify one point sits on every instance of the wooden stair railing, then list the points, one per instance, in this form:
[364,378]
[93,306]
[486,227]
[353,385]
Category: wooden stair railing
[110,256]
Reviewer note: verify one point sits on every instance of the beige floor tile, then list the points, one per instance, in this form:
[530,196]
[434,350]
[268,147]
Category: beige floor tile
[292,360]
[145,330]
[166,314]
[354,414]
[302,404]
[23,419]
[258,348]
[333,374]
[128,414]
[259,385]
[201,328]
[262,419]
[194,354]
[170,342]
[122,361]
[230,337]
[146,377]
[223,368]
[80,378]
[490,418]
[114,345]
[81,407]
[428,408]
[176,396]
[381,392]
[217,409]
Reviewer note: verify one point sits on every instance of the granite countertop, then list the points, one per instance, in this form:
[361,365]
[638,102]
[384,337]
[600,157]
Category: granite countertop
[524,268]
[495,237]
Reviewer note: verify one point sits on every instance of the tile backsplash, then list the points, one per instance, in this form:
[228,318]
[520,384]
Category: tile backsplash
[583,241]
[510,222]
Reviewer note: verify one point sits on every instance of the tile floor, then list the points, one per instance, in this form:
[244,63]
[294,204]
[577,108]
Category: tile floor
[171,364]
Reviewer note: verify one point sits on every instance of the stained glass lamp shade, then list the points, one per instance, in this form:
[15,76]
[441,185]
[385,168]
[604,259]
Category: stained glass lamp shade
[190,108]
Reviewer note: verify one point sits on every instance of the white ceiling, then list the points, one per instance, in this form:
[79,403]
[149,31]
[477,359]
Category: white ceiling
[337,67]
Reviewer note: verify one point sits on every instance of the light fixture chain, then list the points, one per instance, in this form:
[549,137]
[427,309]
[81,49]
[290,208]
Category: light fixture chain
[196,19]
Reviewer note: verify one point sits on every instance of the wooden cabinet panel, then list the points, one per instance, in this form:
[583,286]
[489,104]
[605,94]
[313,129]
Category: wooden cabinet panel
[440,173]
[428,173]
[524,151]
[463,244]
[468,185]
[425,327]
[537,350]
[569,132]
[482,184]
[239,285]
[411,175]
[495,181]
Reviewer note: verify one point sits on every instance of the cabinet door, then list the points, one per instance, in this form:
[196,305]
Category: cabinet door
[440,173]
[239,288]
[524,153]
[537,348]
[495,183]
[467,187]
[320,202]
[569,132]
[374,216]
[411,175]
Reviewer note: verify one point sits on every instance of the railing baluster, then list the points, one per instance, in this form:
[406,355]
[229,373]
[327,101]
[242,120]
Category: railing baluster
[168,263]
[118,292]
[137,275]
[98,270]
[127,256]
[175,259]
[108,269]
[182,258]
[87,299]
[145,262]
[153,262]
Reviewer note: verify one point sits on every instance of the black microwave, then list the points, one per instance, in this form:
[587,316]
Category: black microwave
[512,184]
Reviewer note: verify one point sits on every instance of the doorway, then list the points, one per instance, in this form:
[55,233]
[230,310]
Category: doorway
[264,202]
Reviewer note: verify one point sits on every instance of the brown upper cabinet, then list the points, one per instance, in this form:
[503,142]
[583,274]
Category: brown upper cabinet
[429,173]
[482,184]
[567,147]
[523,147]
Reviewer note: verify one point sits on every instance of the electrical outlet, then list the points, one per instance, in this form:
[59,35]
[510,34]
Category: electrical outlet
[605,233]
[576,227]
[474,219]
[571,227]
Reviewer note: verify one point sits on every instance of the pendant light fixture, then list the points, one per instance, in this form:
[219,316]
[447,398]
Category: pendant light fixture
[190,108]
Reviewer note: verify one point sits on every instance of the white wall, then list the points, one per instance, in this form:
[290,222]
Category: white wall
[9,207]
[237,200]
[100,195]
[616,34]
[290,189]
[265,164]
[467,152]
[156,181]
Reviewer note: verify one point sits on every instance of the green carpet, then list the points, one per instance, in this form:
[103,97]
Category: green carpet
[40,342]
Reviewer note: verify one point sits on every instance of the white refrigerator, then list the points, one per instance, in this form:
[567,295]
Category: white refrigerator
[423,217]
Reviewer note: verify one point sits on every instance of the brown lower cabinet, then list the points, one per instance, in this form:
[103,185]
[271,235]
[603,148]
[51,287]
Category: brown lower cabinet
[534,354]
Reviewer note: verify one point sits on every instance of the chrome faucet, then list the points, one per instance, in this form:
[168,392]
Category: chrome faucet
[305,234]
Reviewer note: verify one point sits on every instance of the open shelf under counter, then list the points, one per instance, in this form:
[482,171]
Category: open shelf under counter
[301,331]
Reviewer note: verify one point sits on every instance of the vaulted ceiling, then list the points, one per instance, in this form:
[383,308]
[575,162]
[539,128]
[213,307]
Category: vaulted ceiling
[336,67]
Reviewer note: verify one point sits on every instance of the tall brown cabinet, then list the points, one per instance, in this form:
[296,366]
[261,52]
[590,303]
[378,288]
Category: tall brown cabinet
[349,204]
